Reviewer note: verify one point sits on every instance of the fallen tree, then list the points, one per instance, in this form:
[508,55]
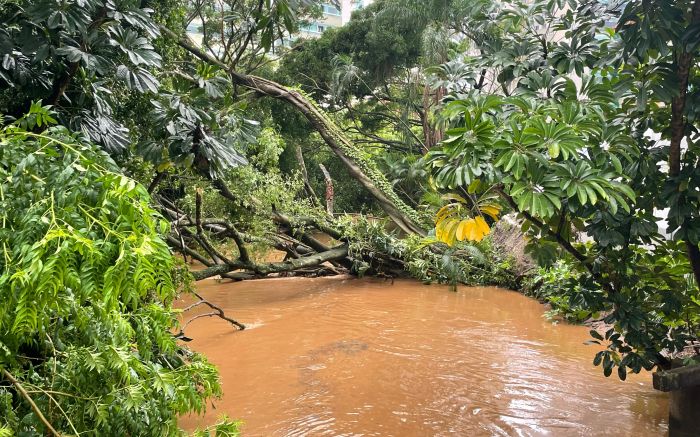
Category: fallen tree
[361,168]
[305,254]
[315,244]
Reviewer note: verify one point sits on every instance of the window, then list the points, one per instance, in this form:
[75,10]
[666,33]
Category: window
[314,28]
[330,10]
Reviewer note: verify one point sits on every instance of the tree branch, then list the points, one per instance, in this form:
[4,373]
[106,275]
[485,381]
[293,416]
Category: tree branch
[156,180]
[31,403]
[219,312]
[180,246]
[564,243]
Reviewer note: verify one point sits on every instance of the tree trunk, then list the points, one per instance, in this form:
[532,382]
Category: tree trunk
[305,175]
[432,134]
[336,253]
[330,195]
[683,65]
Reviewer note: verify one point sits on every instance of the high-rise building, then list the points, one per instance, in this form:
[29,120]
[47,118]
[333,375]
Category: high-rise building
[332,17]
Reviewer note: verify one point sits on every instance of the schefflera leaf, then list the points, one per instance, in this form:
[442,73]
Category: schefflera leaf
[457,221]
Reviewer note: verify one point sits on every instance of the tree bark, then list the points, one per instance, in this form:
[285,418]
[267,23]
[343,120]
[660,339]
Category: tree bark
[432,134]
[305,175]
[330,195]
[683,65]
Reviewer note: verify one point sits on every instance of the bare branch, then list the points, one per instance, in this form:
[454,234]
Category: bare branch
[218,311]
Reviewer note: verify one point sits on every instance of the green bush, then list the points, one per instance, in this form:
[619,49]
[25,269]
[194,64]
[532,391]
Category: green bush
[561,287]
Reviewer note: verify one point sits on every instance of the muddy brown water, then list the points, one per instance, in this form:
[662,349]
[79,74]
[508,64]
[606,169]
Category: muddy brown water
[362,357]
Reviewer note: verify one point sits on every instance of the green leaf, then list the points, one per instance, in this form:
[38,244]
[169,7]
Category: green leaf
[595,334]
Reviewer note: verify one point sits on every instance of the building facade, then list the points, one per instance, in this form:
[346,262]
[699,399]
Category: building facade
[332,17]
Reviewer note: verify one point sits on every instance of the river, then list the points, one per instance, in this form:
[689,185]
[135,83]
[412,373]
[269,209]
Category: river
[365,357]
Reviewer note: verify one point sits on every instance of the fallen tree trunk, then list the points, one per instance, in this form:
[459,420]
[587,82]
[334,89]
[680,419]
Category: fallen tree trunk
[405,217]
[305,254]
[336,253]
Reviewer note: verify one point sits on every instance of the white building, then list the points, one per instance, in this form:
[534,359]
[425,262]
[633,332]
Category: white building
[335,14]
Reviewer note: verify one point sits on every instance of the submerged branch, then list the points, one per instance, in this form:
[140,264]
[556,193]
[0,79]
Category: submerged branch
[218,312]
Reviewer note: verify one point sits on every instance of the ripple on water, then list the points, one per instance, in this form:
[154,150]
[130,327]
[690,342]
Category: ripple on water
[364,357]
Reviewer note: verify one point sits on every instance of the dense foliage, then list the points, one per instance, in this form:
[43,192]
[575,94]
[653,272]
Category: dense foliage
[86,295]
[555,110]
[430,261]
[87,53]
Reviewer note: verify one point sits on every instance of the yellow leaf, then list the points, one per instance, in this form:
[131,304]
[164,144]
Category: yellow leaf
[450,232]
[443,213]
[483,228]
[491,210]
[473,234]
[439,230]
[442,230]
[462,230]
